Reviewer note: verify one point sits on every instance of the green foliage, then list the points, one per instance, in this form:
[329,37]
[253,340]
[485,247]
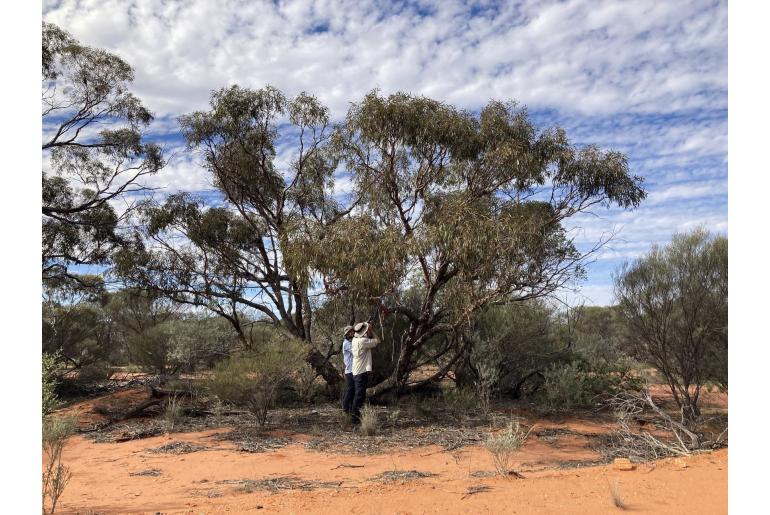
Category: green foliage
[567,387]
[199,342]
[253,380]
[511,345]
[461,402]
[50,380]
[307,388]
[673,304]
[142,320]
[56,475]
[83,89]
[79,332]
[95,372]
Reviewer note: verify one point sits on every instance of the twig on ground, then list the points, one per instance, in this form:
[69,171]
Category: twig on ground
[475,489]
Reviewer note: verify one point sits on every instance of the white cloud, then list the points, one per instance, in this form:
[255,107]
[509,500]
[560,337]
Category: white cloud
[579,56]
[648,78]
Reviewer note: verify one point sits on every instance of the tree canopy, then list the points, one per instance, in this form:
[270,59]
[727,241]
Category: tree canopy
[451,211]
[673,302]
[93,153]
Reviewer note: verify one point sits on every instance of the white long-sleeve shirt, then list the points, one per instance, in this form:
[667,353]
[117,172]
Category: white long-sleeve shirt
[362,354]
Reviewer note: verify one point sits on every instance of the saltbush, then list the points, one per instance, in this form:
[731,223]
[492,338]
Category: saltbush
[253,380]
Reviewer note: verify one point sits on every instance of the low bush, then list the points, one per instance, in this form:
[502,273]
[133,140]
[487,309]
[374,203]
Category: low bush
[566,387]
[461,402]
[503,445]
[94,372]
[305,384]
[580,384]
[253,380]
[50,381]
[56,475]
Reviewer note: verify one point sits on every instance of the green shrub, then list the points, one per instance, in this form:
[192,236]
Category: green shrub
[461,402]
[56,475]
[50,381]
[151,349]
[305,384]
[253,380]
[94,372]
[566,387]
[198,342]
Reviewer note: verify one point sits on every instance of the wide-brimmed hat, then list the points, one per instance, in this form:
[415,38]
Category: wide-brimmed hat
[361,328]
[347,329]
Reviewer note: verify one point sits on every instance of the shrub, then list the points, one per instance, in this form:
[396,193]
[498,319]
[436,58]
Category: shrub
[681,287]
[487,377]
[50,381]
[461,401]
[94,372]
[56,475]
[252,380]
[566,387]
[510,346]
[370,425]
[305,383]
[151,348]
[503,445]
[198,342]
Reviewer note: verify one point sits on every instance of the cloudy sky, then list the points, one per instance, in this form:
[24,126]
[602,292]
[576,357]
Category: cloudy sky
[648,78]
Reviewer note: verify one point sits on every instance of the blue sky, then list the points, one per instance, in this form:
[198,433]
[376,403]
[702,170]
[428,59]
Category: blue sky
[648,78]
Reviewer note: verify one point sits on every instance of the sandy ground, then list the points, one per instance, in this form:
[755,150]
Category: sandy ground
[107,477]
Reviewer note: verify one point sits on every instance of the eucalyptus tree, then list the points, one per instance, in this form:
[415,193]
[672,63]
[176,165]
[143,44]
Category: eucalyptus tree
[673,303]
[93,152]
[458,211]
[229,257]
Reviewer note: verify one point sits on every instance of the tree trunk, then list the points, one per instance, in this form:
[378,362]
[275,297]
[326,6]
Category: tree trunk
[325,369]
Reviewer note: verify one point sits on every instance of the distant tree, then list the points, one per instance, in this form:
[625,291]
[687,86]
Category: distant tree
[143,320]
[464,210]
[76,329]
[93,152]
[673,302]
[199,341]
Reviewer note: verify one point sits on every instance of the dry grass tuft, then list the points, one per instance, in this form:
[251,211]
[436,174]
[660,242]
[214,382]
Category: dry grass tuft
[617,497]
[370,426]
[504,445]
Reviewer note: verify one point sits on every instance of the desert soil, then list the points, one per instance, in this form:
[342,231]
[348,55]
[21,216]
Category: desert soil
[215,477]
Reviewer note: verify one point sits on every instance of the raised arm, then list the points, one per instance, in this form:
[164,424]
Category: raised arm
[369,343]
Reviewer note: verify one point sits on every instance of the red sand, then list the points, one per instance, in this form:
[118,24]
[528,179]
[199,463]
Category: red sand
[189,483]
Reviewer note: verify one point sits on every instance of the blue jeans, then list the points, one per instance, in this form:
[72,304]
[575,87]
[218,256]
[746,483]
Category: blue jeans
[347,397]
[359,382]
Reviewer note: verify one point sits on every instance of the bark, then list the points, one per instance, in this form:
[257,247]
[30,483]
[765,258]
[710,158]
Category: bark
[322,366]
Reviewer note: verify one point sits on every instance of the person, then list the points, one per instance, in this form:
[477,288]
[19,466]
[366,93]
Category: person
[347,359]
[363,343]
